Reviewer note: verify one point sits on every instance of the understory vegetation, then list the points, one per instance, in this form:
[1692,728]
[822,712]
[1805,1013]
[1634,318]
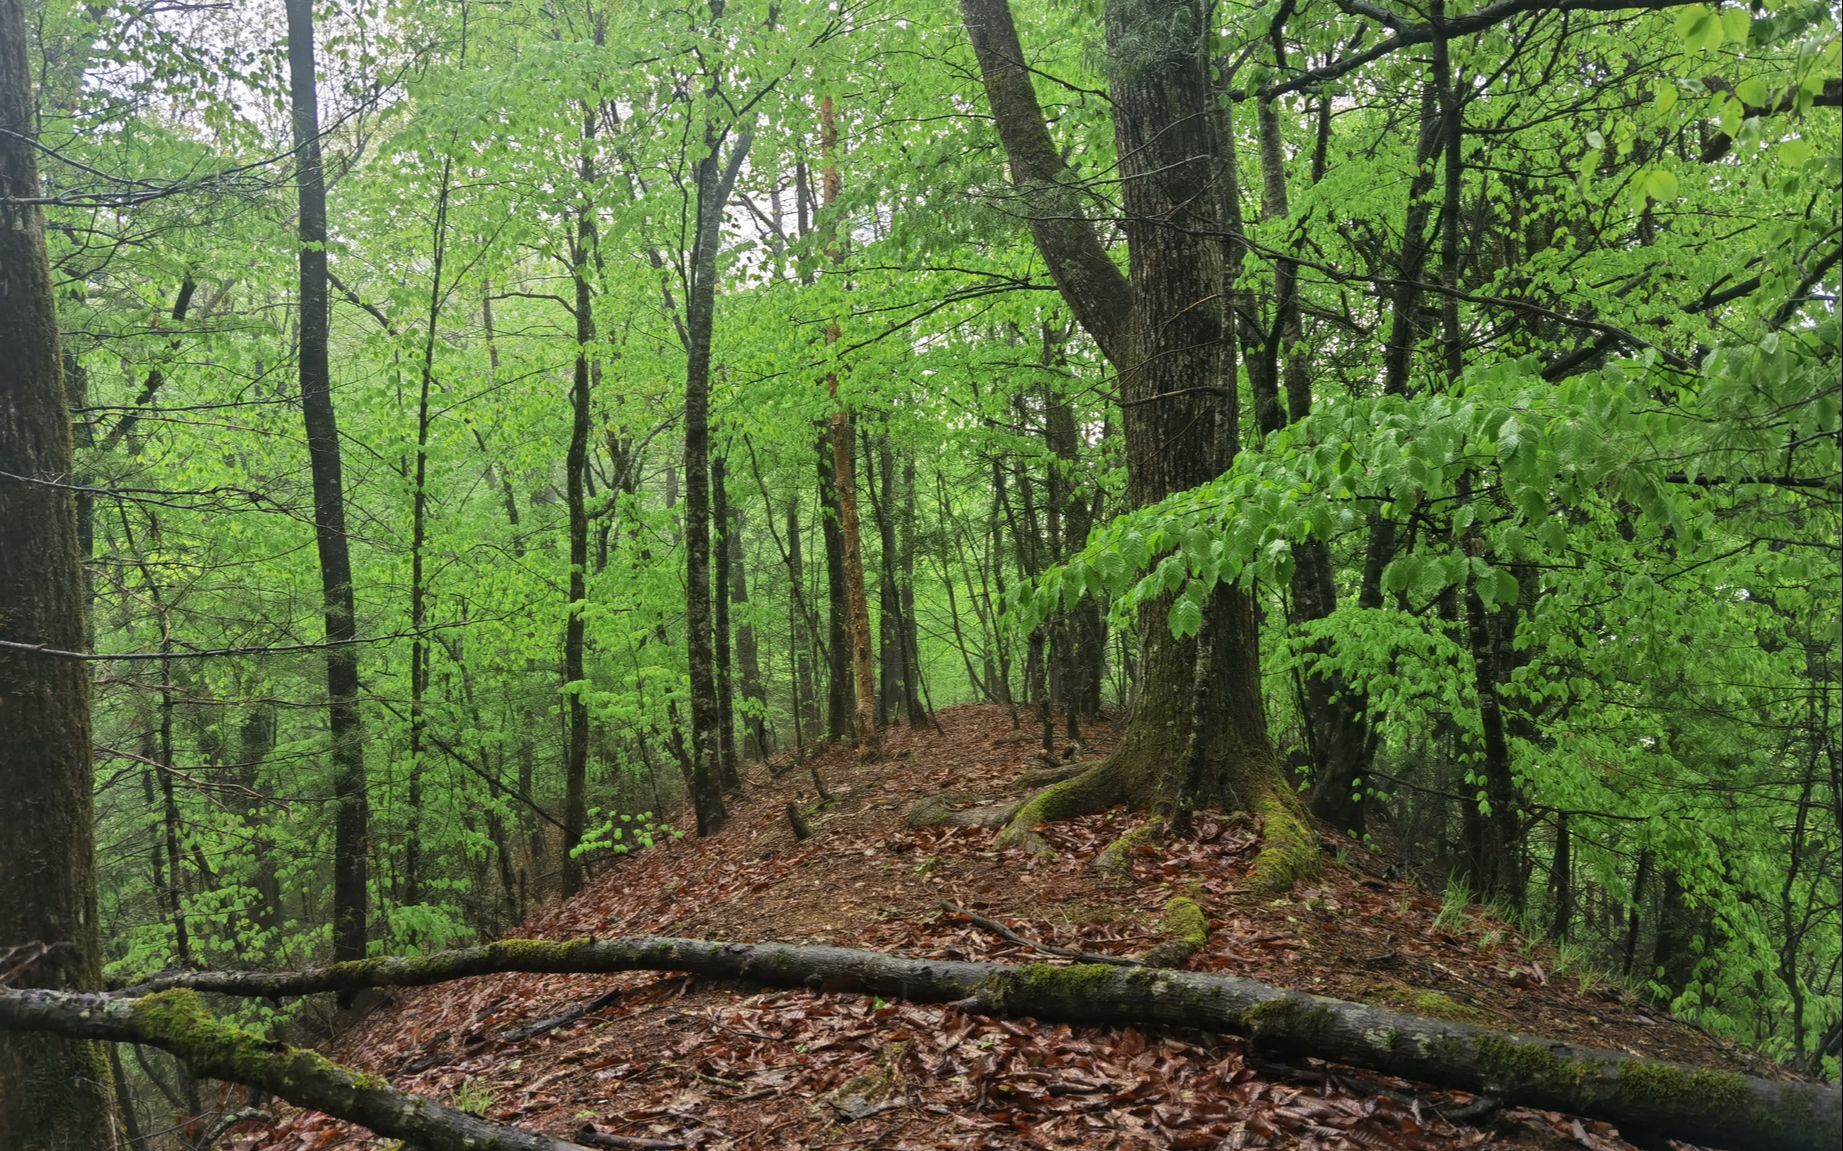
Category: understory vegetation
[498,430]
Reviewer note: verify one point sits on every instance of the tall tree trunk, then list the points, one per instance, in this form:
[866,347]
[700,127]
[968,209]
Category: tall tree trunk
[351,819]
[54,1094]
[912,687]
[890,630]
[575,466]
[1082,645]
[1334,711]
[865,722]
[802,630]
[419,536]
[1163,330]
[255,742]
[714,178]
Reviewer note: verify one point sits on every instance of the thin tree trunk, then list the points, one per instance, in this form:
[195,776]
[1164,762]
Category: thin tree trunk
[889,610]
[912,688]
[839,684]
[419,536]
[351,826]
[748,652]
[714,179]
[806,697]
[1561,879]
[575,465]
[949,581]
[726,696]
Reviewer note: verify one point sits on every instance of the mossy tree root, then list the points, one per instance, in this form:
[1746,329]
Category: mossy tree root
[1096,788]
[1289,846]
[1697,1105]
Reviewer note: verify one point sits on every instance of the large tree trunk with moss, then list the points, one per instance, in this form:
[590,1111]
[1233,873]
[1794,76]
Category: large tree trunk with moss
[1647,1099]
[54,1094]
[1164,329]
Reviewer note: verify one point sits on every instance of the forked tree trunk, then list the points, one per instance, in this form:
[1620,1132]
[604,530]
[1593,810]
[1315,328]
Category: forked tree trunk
[351,819]
[1163,329]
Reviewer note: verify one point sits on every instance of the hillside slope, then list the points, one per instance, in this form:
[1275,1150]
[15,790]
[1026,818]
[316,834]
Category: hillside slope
[670,1061]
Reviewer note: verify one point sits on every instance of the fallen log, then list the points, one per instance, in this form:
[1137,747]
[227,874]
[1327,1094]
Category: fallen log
[176,1021]
[1643,1097]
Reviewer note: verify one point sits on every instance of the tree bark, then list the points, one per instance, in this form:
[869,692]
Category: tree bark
[715,176]
[912,688]
[1645,1097]
[54,1095]
[748,651]
[419,538]
[351,826]
[720,625]
[1164,330]
[890,660]
[867,729]
[575,465]
[838,613]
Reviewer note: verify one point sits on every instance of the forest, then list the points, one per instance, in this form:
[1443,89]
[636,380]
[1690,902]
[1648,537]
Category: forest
[1199,543]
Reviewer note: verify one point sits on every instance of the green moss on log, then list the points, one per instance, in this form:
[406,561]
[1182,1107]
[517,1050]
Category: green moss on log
[1294,1017]
[1035,983]
[178,1021]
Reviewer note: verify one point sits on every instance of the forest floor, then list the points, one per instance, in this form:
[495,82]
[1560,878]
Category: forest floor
[699,1064]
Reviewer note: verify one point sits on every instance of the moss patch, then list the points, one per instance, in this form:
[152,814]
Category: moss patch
[1292,1016]
[1096,789]
[1035,983]
[1187,929]
[1289,849]
[178,1021]
[1424,1002]
[1116,856]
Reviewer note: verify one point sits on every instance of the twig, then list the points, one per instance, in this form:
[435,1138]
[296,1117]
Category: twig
[1005,933]
[562,1018]
[590,1137]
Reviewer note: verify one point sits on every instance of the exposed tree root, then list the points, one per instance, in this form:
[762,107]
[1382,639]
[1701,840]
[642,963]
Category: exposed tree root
[1289,849]
[959,809]
[1054,773]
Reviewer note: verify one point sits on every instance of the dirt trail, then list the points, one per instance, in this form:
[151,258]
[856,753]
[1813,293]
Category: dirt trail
[701,1065]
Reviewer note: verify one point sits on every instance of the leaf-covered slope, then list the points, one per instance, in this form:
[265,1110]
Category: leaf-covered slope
[687,1063]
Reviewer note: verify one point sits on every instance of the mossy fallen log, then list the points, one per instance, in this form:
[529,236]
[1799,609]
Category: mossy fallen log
[1643,1097]
[176,1021]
